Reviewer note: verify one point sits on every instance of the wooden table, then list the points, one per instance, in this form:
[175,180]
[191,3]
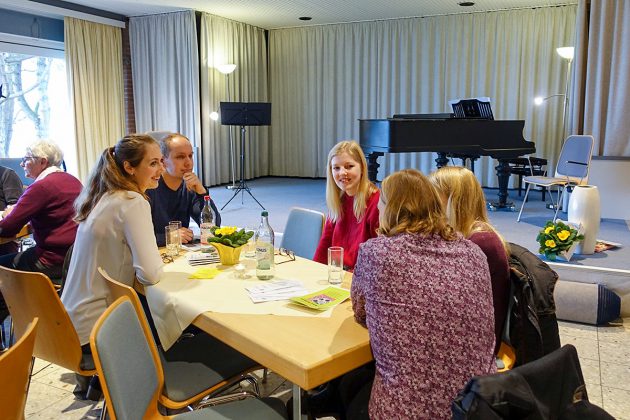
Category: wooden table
[305,350]
[25,231]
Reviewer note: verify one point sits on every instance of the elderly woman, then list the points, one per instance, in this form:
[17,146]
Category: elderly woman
[423,292]
[179,194]
[48,205]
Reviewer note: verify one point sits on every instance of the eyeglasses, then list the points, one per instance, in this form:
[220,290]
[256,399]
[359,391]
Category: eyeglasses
[286,253]
[166,258]
[25,158]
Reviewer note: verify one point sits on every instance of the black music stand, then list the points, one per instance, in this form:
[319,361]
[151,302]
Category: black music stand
[244,114]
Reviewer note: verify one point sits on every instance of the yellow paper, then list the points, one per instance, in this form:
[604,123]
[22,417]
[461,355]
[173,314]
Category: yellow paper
[324,299]
[205,273]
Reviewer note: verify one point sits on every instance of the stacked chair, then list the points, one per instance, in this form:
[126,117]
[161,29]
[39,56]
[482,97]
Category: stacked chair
[132,377]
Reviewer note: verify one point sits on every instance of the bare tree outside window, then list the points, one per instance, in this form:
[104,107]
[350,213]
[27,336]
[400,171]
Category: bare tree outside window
[35,103]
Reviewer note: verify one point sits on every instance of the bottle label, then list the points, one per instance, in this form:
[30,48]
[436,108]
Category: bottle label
[264,256]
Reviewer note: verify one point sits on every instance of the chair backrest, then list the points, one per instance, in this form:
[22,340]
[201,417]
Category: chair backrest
[127,364]
[118,290]
[575,158]
[31,295]
[15,369]
[303,231]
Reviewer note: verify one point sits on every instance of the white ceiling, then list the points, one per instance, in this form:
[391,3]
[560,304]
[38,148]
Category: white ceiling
[270,14]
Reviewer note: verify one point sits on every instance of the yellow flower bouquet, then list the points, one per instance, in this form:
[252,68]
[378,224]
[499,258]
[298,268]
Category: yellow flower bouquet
[229,241]
[230,236]
[557,238]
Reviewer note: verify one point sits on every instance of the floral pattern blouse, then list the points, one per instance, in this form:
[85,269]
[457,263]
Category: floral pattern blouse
[427,304]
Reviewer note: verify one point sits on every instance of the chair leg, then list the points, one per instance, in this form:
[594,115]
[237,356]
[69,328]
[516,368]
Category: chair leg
[560,194]
[518,219]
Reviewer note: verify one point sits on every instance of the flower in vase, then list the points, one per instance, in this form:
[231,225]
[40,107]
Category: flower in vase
[557,237]
[230,236]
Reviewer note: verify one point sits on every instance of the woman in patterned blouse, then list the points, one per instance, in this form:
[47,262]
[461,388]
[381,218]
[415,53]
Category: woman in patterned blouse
[423,292]
[466,212]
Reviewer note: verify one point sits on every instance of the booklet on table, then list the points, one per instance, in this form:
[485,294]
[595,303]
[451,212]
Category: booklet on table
[323,299]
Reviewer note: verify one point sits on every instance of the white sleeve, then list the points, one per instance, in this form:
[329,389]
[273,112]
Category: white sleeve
[139,235]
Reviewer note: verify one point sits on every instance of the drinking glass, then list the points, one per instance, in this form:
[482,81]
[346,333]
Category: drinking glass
[250,246]
[335,265]
[178,225]
[173,240]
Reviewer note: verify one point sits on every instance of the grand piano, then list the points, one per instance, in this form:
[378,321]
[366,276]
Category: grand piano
[447,135]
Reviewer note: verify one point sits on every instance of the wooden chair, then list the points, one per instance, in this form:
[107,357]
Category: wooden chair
[195,367]
[31,295]
[132,376]
[15,370]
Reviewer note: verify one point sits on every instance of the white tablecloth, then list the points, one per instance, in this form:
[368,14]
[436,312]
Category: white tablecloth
[177,300]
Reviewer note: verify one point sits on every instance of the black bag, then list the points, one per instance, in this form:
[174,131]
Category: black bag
[531,327]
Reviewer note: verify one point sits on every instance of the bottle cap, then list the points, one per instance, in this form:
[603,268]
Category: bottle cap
[264,213]
[206,198]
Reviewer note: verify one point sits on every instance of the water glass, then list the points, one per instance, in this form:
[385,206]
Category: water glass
[173,240]
[177,225]
[335,265]
[250,246]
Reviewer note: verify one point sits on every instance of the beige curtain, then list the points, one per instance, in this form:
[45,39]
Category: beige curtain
[223,41]
[602,88]
[94,63]
[324,78]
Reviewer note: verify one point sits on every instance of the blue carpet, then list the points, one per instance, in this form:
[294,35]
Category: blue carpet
[278,195]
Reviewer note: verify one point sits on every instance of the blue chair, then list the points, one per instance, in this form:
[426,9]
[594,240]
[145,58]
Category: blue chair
[572,169]
[302,232]
[132,378]
[196,367]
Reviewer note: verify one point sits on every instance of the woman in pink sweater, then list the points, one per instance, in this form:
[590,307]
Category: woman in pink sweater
[466,211]
[352,202]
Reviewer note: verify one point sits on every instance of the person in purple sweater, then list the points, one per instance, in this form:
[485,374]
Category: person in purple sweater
[423,292]
[48,205]
[466,212]
[352,203]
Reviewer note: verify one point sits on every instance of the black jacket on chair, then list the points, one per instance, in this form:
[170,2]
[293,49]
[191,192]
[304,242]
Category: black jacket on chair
[551,387]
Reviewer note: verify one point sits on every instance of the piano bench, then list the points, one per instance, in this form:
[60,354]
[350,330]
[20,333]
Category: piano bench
[521,167]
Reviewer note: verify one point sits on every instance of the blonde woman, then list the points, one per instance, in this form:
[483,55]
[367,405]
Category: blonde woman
[466,211]
[423,292]
[115,232]
[352,202]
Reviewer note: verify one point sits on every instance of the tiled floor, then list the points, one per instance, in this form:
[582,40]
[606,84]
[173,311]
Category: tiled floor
[604,355]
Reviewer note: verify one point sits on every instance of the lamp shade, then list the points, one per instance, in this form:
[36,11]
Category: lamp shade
[226,68]
[566,52]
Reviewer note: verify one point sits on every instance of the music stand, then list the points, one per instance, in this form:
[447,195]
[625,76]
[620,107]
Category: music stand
[473,108]
[244,114]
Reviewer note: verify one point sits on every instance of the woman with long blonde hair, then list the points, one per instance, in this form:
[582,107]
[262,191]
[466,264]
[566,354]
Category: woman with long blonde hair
[352,203]
[466,212]
[423,292]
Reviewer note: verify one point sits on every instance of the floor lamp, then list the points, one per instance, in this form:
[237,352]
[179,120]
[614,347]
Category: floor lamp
[228,69]
[567,53]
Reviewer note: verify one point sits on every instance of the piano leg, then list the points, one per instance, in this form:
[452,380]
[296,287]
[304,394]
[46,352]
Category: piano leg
[503,173]
[441,160]
[372,164]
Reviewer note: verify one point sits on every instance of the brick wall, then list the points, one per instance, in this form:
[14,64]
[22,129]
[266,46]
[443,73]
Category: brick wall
[130,116]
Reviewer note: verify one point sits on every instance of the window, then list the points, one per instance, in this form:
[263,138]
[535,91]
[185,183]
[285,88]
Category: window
[35,103]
